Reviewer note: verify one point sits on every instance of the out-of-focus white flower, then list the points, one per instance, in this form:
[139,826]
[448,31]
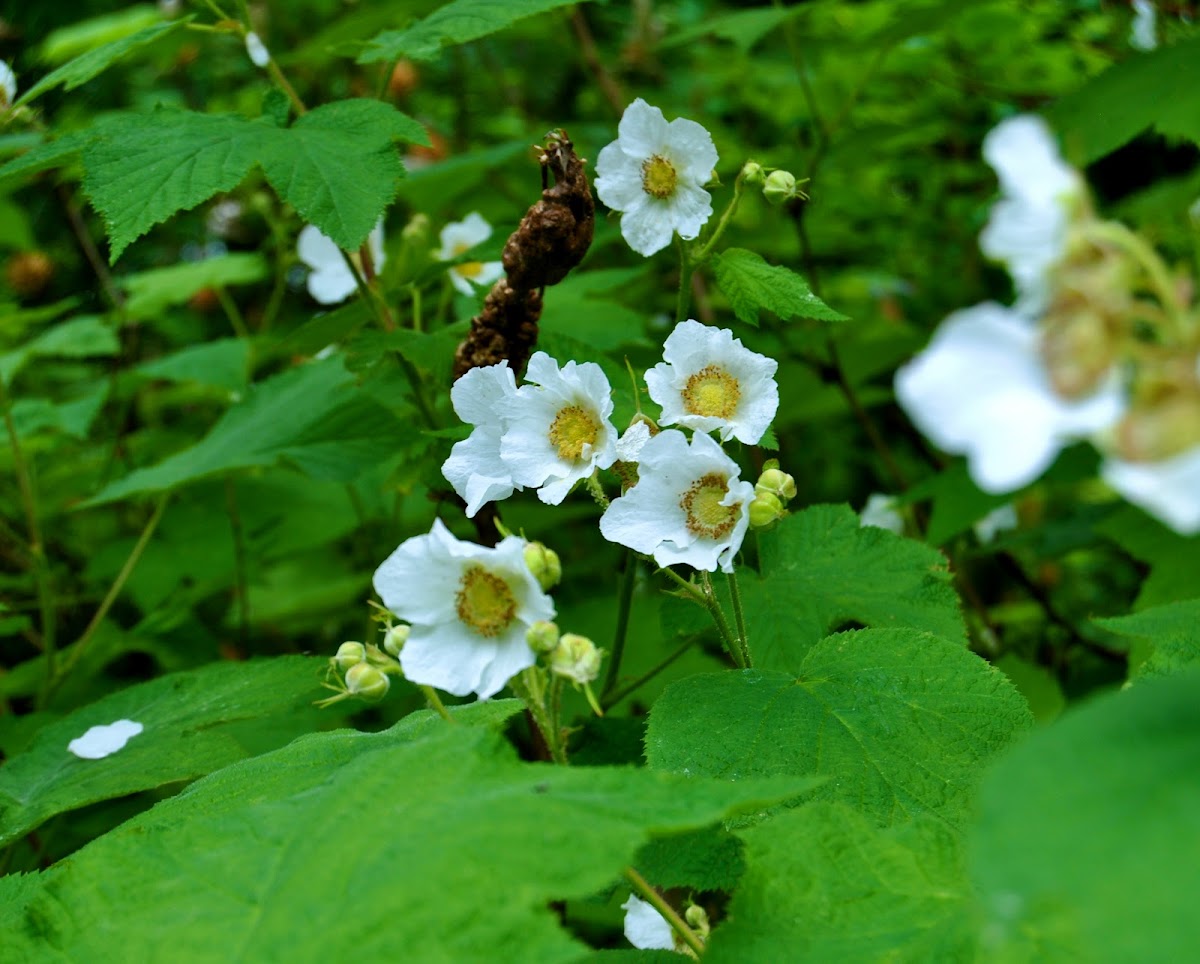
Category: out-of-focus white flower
[8,86]
[1168,489]
[557,429]
[101,741]
[468,607]
[475,468]
[688,505]
[1000,519]
[654,173]
[1143,32]
[257,50]
[645,927]
[1027,230]
[330,280]
[460,236]
[880,512]
[710,381]
[980,389]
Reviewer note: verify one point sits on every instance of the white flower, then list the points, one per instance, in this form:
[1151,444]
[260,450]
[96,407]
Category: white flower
[330,280]
[8,85]
[632,441]
[654,173]
[102,741]
[257,50]
[557,430]
[1168,489]
[880,512]
[475,468]
[645,927]
[711,382]
[468,607]
[688,504]
[998,520]
[980,389]
[1027,230]
[1143,32]
[460,236]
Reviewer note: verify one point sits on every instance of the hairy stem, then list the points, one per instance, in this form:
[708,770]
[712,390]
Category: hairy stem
[654,898]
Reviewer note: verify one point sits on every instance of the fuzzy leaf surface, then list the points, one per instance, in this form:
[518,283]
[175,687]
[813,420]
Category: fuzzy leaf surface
[752,285]
[900,722]
[1173,630]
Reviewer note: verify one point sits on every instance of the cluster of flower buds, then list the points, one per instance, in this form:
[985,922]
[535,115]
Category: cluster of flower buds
[772,492]
[568,656]
[363,670]
[778,186]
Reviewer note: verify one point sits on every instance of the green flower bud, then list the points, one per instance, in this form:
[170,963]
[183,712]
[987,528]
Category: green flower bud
[544,565]
[697,918]
[395,638]
[777,483]
[780,186]
[753,173]
[542,637]
[576,658]
[367,682]
[349,654]
[765,510]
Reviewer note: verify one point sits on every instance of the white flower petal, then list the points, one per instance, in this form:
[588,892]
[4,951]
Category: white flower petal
[646,226]
[630,444]
[330,280]
[477,472]
[481,392]
[645,927]
[1143,32]
[880,512]
[8,85]
[417,561]
[331,285]
[691,207]
[1024,154]
[459,236]
[691,149]
[101,741]
[257,50]
[1169,489]
[642,131]
[998,520]
[618,178]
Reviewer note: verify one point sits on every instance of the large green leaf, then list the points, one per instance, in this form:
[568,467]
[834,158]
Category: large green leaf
[190,722]
[453,23]
[87,336]
[901,723]
[150,292]
[823,884]
[433,846]
[312,415]
[1173,632]
[752,285]
[821,569]
[86,66]
[1088,839]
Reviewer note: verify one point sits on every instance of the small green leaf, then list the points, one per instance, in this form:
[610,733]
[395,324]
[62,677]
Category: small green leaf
[224,363]
[44,156]
[900,722]
[1173,632]
[751,285]
[86,66]
[312,416]
[453,23]
[84,337]
[823,883]
[1086,842]
[149,292]
[302,853]
[188,719]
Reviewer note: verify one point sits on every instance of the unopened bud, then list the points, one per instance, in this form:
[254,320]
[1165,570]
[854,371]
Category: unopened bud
[697,918]
[542,637]
[544,565]
[753,173]
[576,658]
[367,682]
[777,483]
[765,510]
[395,638]
[257,50]
[349,654]
[780,186]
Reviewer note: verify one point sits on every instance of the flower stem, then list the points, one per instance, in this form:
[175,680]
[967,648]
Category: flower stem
[654,898]
[596,490]
[436,704]
[726,215]
[740,619]
[624,605]
[683,301]
[616,696]
[718,615]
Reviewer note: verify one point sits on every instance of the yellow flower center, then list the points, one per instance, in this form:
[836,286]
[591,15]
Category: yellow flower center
[573,432]
[713,392]
[706,517]
[468,269]
[658,177]
[485,602]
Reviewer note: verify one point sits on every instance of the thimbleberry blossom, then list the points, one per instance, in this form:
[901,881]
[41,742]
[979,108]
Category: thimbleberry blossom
[688,505]
[330,280]
[1168,489]
[469,608]
[645,927]
[475,468]
[710,382]
[459,237]
[654,173]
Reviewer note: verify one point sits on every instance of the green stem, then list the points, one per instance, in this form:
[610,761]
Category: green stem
[236,321]
[740,620]
[531,692]
[416,307]
[624,604]
[687,268]
[436,704]
[726,216]
[616,696]
[654,898]
[718,615]
[596,490]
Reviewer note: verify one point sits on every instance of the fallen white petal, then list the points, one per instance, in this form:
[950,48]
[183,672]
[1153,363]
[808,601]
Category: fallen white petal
[102,741]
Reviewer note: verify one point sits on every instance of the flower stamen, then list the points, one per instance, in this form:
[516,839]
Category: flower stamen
[573,433]
[658,177]
[712,392]
[707,518]
[485,602]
